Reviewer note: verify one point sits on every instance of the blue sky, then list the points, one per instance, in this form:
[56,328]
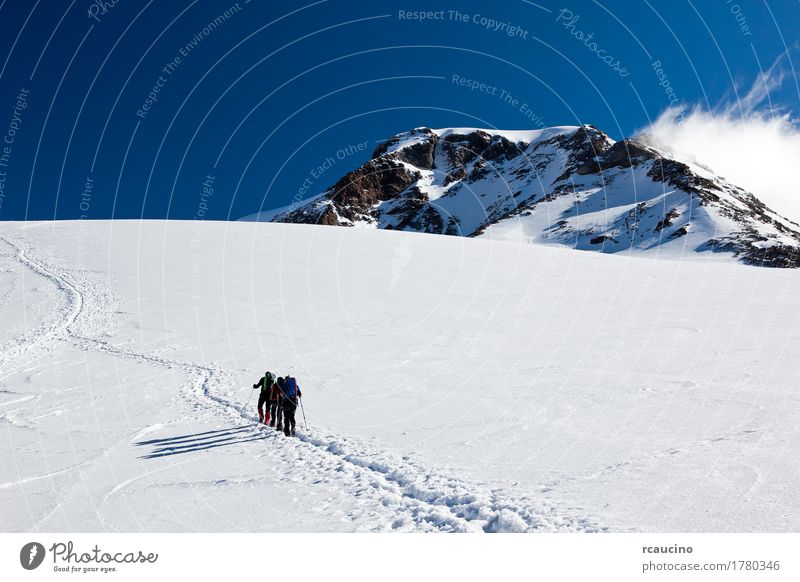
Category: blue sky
[257,102]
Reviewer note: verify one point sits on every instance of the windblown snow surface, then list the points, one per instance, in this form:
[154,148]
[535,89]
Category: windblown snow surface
[450,384]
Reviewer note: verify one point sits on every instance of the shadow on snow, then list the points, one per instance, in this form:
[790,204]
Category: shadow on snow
[200,441]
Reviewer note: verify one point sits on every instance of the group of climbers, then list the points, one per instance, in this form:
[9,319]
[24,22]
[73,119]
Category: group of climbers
[277,402]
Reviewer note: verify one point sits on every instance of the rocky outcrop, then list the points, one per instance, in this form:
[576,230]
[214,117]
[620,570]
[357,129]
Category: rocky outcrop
[419,154]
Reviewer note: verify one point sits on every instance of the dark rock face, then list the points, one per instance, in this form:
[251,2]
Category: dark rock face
[462,149]
[328,217]
[378,179]
[353,196]
[426,220]
[627,153]
[623,154]
[458,174]
[682,231]
[479,148]
[782,256]
[585,146]
[423,133]
[420,154]
[463,183]
[667,220]
[679,175]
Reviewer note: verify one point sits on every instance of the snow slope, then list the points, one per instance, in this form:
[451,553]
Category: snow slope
[450,384]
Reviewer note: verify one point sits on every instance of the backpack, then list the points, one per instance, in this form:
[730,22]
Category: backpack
[290,387]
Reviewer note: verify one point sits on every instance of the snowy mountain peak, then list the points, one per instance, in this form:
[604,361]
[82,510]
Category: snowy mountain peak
[567,185]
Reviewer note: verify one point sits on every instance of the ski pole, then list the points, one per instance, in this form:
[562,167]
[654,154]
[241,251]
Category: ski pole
[300,398]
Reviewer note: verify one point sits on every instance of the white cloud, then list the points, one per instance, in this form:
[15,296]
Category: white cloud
[747,142]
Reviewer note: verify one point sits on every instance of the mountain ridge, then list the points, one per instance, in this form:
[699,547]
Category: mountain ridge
[567,185]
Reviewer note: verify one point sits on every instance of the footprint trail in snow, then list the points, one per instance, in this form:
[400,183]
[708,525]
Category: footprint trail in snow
[409,495]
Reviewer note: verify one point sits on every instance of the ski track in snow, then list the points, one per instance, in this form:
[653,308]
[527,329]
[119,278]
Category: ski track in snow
[407,495]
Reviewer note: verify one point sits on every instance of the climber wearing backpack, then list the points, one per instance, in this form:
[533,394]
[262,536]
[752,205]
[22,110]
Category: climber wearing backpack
[275,403]
[266,384]
[278,403]
[291,392]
